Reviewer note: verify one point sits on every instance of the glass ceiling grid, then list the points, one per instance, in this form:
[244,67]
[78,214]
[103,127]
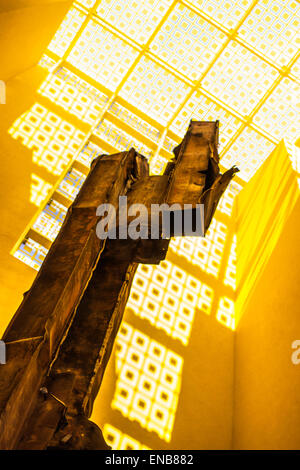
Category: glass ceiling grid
[172,32]
[174,60]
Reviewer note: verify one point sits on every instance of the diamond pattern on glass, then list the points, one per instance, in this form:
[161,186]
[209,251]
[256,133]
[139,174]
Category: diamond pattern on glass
[71,184]
[239,78]
[87,3]
[47,63]
[273,29]
[154,90]
[67,31]
[228,13]
[50,220]
[102,55]
[187,42]
[39,190]
[201,108]
[74,95]
[118,440]
[88,153]
[169,144]
[53,141]
[248,152]
[31,253]
[167,297]
[295,70]
[134,121]
[136,19]
[158,164]
[279,115]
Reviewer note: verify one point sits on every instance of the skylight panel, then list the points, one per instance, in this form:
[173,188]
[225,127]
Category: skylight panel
[74,95]
[201,108]
[187,42]
[102,55]
[120,139]
[239,78]
[279,115]
[295,70]
[135,18]
[154,90]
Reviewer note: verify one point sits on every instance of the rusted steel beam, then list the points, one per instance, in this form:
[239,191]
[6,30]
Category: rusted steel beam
[35,331]
[73,310]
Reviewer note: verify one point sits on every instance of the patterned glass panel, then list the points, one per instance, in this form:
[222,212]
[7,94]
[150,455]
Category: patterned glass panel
[119,139]
[67,31]
[279,115]
[31,253]
[248,152]
[167,296]
[158,164]
[74,95]
[71,184]
[47,63]
[239,78]
[88,153]
[134,121]
[87,3]
[201,108]
[228,13]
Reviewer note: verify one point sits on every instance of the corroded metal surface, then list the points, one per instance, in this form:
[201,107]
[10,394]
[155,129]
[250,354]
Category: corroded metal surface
[60,339]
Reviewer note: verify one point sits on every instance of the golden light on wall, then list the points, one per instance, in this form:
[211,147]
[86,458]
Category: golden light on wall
[119,440]
[148,381]
[53,140]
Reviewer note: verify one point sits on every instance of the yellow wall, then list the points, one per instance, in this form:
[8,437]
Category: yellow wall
[261,211]
[204,414]
[266,398]
[264,394]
